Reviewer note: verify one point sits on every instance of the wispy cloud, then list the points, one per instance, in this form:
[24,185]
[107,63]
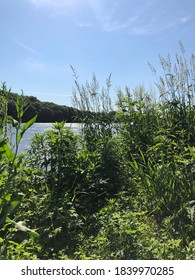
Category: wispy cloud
[25,47]
[136,18]
[178,21]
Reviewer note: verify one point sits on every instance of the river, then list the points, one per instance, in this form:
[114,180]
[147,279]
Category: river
[40,128]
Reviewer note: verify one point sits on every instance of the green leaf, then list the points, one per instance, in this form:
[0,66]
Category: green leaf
[13,205]
[8,197]
[8,209]
[131,231]
[8,220]
[3,249]
[26,126]
[9,119]
[33,235]
[6,152]
[142,155]
[134,165]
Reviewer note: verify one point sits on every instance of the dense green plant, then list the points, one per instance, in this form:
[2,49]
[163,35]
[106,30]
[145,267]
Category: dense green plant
[125,233]
[158,140]
[13,169]
[123,189]
[56,153]
[99,134]
[177,90]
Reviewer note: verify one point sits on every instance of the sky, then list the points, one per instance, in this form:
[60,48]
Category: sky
[40,39]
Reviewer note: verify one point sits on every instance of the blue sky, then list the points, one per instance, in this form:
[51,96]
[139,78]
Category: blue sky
[40,39]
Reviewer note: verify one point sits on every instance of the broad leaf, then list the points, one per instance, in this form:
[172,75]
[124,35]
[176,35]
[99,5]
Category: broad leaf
[26,126]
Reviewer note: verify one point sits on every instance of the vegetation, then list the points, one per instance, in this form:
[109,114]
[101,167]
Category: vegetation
[45,111]
[120,190]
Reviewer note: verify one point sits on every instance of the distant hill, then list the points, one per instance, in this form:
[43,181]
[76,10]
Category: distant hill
[45,111]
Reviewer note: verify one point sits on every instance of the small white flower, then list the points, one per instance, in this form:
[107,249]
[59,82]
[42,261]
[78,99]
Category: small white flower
[20,226]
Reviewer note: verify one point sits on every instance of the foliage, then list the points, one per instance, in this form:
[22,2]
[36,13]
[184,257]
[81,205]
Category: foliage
[123,189]
[127,234]
[45,111]
[13,169]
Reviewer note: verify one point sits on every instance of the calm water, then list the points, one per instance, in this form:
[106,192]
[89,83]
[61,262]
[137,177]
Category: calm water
[41,128]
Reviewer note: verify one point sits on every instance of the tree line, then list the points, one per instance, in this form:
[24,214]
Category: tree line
[51,112]
[45,111]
